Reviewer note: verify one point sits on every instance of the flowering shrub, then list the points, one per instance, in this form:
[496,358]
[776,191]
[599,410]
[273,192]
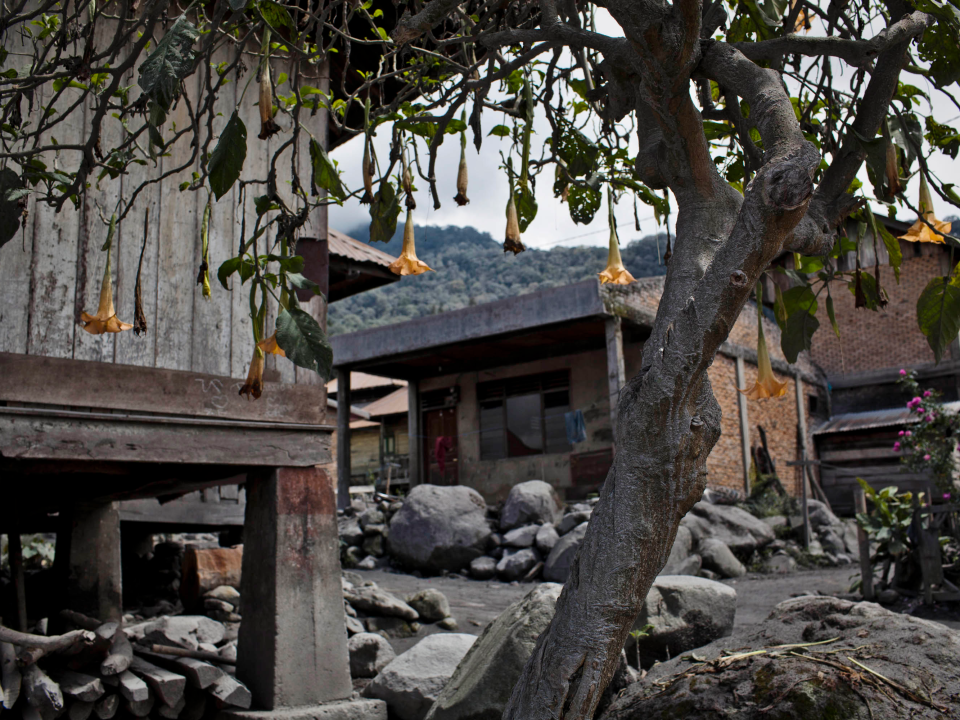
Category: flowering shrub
[930,444]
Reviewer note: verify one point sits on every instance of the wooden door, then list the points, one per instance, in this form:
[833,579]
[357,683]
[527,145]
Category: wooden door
[441,425]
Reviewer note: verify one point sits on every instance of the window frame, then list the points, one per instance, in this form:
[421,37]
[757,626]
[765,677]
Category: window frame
[500,390]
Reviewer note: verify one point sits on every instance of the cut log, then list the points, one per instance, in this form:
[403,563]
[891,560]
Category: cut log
[204,570]
[9,674]
[36,646]
[172,711]
[199,674]
[80,710]
[231,691]
[79,686]
[185,653]
[133,688]
[82,621]
[41,691]
[120,657]
[140,708]
[107,707]
[167,685]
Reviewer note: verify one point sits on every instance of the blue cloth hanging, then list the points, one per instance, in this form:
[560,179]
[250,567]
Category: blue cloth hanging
[576,427]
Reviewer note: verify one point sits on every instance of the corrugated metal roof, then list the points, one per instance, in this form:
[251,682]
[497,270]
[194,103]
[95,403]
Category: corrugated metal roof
[395,402]
[360,424]
[346,246]
[848,422]
[365,381]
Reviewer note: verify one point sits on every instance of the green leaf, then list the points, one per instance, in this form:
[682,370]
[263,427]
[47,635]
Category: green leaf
[10,192]
[893,250]
[833,317]
[797,335]
[171,62]
[226,160]
[526,207]
[938,314]
[325,174]
[577,151]
[304,342]
[275,15]
[384,211]
[499,131]
[871,293]
[800,299]
[264,204]
[301,282]
[228,268]
[584,202]
[779,309]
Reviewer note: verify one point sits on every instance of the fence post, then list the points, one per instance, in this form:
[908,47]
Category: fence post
[866,569]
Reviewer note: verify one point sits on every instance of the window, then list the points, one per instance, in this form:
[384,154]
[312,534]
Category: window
[390,444]
[524,416]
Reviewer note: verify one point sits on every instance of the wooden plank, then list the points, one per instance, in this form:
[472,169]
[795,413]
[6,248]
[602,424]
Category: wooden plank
[167,685]
[866,567]
[76,383]
[867,453]
[179,226]
[182,513]
[67,435]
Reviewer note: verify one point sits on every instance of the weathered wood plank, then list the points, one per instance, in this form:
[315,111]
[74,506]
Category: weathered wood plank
[77,383]
[65,435]
[182,513]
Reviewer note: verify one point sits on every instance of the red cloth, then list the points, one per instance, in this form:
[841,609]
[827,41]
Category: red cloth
[441,447]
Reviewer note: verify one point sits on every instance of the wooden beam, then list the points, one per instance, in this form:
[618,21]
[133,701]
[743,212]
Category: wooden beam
[180,512]
[413,431]
[343,438]
[105,386]
[866,568]
[745,457]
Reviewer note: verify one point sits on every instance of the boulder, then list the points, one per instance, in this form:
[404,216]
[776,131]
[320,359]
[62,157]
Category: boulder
[185,631]
[439,528]
[521,537]
[530,502]
[484,679]
[686,612]
[483,568]
[571,520]
[779,563]
[226,594]
[371,516]
[821,516]
[372,600]
[431,604]
[349,530]
[393,627]
[373,545]
[557,565]
[352,557]
[412,681]
[737,529]
[681,550]
[718,557]
[516,565]
[547,538]
[832,541]
[851,540]
[689,566]
[368,563]
[776,521]
[911,655]
[369,654]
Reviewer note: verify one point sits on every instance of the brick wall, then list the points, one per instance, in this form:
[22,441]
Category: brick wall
[889,338]
[725,464]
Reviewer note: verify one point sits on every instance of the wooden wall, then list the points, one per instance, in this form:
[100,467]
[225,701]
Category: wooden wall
[51,271]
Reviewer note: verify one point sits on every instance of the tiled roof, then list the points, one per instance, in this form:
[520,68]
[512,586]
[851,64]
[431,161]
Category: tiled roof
[365,381]
[346,246]
[875,419]
[395,402]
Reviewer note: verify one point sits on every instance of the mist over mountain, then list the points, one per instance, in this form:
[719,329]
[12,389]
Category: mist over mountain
[471,268]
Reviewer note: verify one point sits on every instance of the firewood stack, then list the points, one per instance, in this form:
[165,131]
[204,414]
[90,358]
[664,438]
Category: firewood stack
[168,667]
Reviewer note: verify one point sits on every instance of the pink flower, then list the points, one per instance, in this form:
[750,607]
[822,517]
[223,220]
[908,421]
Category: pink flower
[909,434]
[926,457]
[946,496]
[903,373]
[929,418]
[927,393]
[900,433]
[896,447]
[920,410]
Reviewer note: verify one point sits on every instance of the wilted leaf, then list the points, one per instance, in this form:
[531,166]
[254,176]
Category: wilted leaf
[171,62]
[384,211]
[226,160]
[304,342]
[325,173]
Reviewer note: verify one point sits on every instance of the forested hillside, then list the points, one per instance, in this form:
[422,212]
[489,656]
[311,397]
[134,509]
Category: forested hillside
[471,268]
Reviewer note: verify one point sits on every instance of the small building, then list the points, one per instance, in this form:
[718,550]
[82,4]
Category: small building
[491,389]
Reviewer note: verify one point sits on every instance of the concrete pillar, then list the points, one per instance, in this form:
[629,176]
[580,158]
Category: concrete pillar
[94,584]
[343,438]
[413,430]
[744,426]
[616,373]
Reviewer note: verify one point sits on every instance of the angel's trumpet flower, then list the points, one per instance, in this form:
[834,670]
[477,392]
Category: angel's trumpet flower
[366,169]
[461,196]
[408,263]
[512,242]
[267,126]
[254,384]
[767,385]
[615,272]
[270,346]
[920,231]
[105,321]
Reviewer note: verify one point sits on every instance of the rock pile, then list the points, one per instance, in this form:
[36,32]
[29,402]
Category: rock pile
[371,609]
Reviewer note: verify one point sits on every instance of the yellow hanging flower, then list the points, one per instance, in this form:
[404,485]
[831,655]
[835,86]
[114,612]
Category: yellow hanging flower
[512,242]
[920,231]
[254,384]
[461,196]
[270,346]
[615,272]
[105,321]
[767,385]
[408,263]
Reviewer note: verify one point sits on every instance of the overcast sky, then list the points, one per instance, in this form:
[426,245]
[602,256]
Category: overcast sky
[488,189]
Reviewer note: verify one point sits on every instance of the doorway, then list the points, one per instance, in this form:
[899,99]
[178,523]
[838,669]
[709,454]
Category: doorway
[441,446]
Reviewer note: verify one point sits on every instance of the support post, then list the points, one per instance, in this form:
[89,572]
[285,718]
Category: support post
[616,374]
[744,426]
[343,438]
[94,586]
[413,431]
[15,555]
[866,569]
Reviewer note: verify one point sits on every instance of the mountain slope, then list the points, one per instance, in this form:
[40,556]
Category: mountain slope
[471,268]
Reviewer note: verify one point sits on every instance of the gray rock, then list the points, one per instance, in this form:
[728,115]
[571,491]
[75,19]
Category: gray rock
[375,530]
[411,683]
[737,529]
[718,557]
[449,624]
[516,565]
[888,596]
[820,516]
[832,541]
[369,654]
[185,631]
[682,549]
[431,604]
[371,516]
[779,563]
[530,502]
[371,600]
[815,548]
[368,563]
[352,556]
[557,565]
[373,545]
[547,538]
[571,520]
[686,612]
[226,593]
[350,531]
[776,521]
[911,652]
[439,528]
[354,626]
[484,679]
[521,537]
[392,627]
[483,568]
[689,566]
